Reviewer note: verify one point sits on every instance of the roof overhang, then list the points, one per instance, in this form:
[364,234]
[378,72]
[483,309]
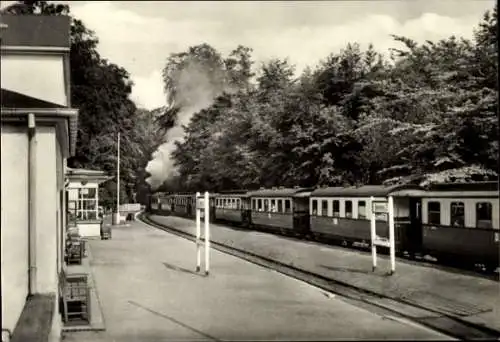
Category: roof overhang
[87,176]
[65,119]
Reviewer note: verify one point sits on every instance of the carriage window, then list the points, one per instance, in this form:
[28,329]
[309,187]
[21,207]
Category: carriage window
[348,208]
[266,205]
[280,206]
[362,209]
[273,206]
[336,208]
[314,207]
[457,214]
[238,203]
[324,208]
[233,203]
[260,204]
[483,215]
[254,204]
[434,213]
[288,208]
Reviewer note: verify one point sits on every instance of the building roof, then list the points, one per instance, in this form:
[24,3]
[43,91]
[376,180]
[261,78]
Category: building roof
[16,104]
[87,175]
[13,99]
[36,31]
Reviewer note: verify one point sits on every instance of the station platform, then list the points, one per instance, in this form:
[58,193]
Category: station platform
[467,296]
[149,291]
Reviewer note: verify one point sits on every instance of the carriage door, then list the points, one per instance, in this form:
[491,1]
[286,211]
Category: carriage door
[415,231]
[301,214]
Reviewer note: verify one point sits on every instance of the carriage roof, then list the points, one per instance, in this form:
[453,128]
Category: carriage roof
[283,192]
[362,191]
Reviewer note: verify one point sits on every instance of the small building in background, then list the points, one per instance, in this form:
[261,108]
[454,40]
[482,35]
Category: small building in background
[82,200]
[38,134]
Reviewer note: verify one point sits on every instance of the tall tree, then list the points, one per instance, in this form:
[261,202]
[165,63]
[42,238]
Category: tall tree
[100,90]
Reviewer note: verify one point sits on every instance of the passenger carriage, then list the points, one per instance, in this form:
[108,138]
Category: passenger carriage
[232,207]
[184,205]
[460,222]
[343,214]
[284,210]
[154,202]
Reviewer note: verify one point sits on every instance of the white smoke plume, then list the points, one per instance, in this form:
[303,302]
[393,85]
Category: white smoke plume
[196,87]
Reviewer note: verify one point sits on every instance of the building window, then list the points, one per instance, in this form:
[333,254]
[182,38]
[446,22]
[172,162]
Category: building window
[483,215]
[361,209]
[314,207]
[280,206]
[457,214]
[348,209]
[324,208]
[82,204]
[288,207]
[273,206]
[336,208]
[434,213]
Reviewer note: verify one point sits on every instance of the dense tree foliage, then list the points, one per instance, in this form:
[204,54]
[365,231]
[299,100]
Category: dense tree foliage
[101,90]
[427,114]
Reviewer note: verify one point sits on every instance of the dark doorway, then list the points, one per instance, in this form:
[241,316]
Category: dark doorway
[414,231]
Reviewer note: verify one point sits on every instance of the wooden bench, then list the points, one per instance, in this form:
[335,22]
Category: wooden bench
[75,298]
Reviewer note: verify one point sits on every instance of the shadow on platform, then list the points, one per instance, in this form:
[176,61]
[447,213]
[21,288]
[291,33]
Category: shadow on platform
[184,270]
[353,270]
[156,313]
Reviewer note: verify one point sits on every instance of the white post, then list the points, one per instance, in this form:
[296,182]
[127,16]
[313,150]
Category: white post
[198,233]
[373,235]
[207,234]
[391,235]
[117,214]
[97,202]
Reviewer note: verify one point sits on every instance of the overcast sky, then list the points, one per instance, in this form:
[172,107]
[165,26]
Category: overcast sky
[139,35]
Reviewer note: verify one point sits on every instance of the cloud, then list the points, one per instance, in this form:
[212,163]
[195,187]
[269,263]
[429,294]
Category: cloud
[140,37]
[148,91]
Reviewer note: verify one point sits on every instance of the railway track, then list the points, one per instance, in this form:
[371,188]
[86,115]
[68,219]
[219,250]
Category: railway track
[364,248]
[391,308]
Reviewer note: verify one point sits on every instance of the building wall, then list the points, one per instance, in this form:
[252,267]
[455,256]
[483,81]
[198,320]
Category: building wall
[60,205]
[14,222]
[28,74]
[46,209]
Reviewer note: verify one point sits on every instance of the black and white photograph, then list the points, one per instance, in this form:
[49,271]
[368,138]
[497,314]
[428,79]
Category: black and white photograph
[249,170]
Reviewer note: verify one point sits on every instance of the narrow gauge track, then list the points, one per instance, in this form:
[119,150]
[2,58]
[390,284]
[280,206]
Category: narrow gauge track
[323,240]
[389,307]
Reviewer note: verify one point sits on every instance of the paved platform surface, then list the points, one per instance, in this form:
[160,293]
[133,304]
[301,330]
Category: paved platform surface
[469,297]
[149,291]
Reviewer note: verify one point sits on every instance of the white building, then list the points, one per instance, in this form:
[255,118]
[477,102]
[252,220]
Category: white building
[83,200]
[39,130]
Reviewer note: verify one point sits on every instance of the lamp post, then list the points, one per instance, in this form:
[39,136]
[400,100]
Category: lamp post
[117,214]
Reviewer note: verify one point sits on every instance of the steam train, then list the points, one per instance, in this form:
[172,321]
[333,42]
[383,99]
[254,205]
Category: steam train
[456,222]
